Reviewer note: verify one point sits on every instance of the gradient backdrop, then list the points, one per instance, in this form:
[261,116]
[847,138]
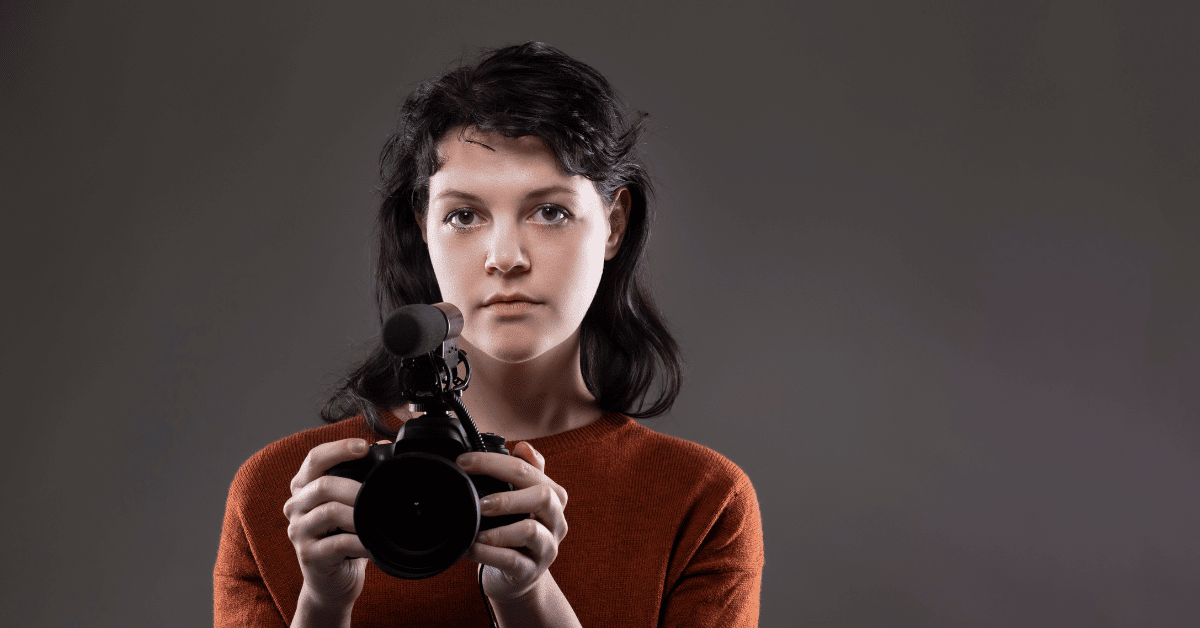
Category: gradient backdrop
[934,266]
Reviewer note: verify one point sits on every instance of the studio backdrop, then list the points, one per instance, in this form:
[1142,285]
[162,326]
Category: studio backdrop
[933,266]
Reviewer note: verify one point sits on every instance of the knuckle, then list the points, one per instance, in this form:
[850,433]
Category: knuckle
[520,567]
[538,458]
[326,511]
[299,481]
[525,469]
[529,530]
[321,485]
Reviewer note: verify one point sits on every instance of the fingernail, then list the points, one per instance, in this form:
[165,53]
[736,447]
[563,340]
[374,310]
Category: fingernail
[486,503]
[357,446]
[482,538]
[465,460]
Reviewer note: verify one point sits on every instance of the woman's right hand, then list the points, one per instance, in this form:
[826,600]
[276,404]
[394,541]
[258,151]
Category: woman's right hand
[321,506]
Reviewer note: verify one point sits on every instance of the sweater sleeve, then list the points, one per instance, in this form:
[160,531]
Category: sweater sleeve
[720,586]
[240,596]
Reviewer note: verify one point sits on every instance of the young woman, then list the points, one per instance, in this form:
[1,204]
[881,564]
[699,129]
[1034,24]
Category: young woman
[513,190]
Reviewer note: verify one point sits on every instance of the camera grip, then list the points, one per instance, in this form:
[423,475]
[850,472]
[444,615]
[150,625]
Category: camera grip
[357,470]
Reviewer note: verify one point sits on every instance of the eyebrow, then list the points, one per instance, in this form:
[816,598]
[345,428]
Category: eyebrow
[538,193]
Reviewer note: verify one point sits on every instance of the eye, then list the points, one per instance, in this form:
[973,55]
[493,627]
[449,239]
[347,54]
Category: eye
[551,215]
[462,218]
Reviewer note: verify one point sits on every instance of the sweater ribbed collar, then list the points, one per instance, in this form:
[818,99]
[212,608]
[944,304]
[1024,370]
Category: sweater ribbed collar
[608,424]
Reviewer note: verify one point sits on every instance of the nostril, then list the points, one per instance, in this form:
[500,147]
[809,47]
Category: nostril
[506,261]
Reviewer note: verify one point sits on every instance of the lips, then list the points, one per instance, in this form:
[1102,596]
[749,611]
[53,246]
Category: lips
[509,304]
[508,298]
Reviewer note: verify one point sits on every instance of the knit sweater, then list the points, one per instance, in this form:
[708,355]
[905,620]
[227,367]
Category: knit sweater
[663,532]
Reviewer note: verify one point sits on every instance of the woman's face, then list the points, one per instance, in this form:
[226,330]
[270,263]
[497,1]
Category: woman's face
[517,244]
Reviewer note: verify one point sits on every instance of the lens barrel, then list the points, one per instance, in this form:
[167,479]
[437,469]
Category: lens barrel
[417,514]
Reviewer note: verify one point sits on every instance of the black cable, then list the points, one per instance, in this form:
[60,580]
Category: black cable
[464,417]
[486,601]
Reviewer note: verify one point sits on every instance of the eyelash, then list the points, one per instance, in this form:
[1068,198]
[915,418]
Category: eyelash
[563,216]
[458,212]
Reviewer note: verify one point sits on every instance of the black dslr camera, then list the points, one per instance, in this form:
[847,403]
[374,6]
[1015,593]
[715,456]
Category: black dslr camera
[417,512]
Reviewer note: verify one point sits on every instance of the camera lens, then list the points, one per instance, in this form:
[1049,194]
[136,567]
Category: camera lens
[417,514]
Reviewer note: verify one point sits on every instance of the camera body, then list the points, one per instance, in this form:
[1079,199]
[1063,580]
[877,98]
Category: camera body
[417,512]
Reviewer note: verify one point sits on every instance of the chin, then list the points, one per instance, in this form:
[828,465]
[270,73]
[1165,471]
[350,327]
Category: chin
[507,349]
[514,355]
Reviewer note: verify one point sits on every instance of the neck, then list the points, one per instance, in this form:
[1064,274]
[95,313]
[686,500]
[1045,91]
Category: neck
[539,397]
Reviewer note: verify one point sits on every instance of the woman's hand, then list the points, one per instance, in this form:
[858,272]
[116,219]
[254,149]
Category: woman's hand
[333,564]
[518,555]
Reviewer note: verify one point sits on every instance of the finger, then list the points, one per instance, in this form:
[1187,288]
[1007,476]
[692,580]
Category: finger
[537,542]
[324,456]
[516,566]
[326,488]
[326,553]
[526,452]
[322,521]
[541,501]
[512,469]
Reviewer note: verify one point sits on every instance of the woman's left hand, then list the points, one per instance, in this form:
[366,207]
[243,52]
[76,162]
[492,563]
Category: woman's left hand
[517,556]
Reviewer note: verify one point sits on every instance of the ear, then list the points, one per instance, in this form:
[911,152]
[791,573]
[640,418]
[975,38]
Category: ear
[618,218]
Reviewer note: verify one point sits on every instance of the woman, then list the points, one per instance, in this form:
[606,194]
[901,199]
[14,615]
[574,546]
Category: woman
[512,189]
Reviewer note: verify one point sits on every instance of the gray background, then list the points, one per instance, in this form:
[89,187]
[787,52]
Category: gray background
[934,266]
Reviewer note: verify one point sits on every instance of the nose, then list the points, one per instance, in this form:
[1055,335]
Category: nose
[506,252]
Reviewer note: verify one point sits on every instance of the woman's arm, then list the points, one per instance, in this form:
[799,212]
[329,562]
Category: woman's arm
[517,557]
[721,584]
[240,597]
[333,564]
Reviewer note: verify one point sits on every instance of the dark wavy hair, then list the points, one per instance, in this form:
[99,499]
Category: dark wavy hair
[528,89]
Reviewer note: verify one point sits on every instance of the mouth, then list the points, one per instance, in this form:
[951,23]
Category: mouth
[509,304]
[508,298]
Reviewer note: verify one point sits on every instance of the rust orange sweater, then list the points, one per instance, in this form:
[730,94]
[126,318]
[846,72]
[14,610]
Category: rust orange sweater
[663,532]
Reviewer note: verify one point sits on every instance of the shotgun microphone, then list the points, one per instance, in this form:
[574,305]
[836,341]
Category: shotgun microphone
[419,328]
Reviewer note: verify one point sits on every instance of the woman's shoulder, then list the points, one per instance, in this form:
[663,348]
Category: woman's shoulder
[695,508]
[618,448]
[681,456]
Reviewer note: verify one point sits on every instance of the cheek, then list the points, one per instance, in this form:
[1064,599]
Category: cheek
[450,271]
[579,269]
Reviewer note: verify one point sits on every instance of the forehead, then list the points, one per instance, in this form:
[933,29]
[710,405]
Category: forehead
[473,158]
